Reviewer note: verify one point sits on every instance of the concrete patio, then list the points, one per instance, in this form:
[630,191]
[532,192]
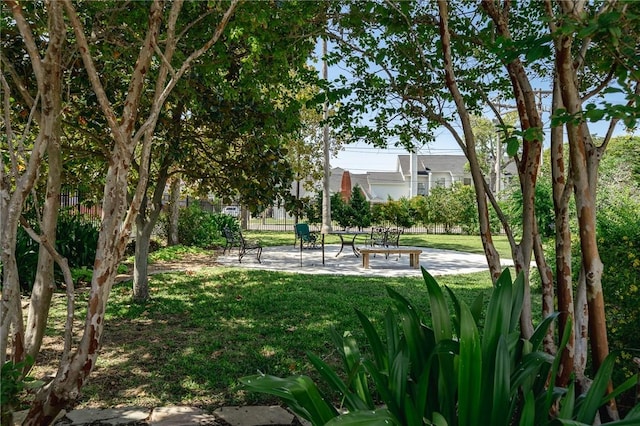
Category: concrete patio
[309,261]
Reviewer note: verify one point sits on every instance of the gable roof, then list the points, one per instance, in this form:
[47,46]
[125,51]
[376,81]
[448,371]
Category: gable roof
[454,164]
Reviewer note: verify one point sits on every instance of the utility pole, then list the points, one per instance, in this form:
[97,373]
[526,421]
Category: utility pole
[326,195]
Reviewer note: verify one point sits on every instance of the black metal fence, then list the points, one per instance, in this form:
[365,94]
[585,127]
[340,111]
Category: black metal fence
[273,219]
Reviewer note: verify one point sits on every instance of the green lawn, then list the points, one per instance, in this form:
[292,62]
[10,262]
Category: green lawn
[203,330]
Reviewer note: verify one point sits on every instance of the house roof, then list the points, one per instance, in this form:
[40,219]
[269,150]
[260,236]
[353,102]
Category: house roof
[433,163]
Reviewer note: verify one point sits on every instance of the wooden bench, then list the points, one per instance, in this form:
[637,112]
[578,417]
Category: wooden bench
[414,255]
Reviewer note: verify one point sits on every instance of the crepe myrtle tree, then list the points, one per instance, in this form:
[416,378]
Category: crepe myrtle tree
[417,86]
[132,140]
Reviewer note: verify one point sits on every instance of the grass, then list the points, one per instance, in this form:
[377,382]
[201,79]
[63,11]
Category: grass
[203,330]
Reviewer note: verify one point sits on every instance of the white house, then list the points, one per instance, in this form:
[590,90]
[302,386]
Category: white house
[414,175]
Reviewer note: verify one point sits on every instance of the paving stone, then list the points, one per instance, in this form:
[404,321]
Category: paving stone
[19,416]
[255,416]
[180,416]
[108,416]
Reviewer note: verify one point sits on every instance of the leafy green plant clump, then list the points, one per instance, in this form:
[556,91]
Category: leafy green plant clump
[462,371]
[197,227]
[76,240]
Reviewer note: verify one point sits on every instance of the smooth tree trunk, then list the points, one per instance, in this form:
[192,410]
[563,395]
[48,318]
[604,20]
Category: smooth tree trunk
[174,211]
[46,108]
[562,190]
[118,213]
[493,258]
[584,160]
[145,223]
[44,283]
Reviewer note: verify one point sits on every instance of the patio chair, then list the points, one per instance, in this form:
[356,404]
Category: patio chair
[306,236]
[233,239]
[378,237]
[248,245]
[393,237]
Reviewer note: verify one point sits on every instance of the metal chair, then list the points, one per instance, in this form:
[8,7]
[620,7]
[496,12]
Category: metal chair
[248,245]
[306,236]
[233,239]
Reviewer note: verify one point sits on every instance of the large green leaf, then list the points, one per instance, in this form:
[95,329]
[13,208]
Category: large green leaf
[398,377]
[541,330]
[301,394]
[440,318]
[381,417]
[469,370]
[501,384]
[417,343]
[568,403]
[527,417]
[353,402]
[496,324]
[381,381]
[517,299]
[588,408]
[375,343]
[356,379]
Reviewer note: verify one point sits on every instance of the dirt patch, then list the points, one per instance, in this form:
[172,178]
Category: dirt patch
[187,262]
[109,376]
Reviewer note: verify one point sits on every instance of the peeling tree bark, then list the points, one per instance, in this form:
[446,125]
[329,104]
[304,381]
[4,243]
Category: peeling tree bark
[46,108]
[44,285]
[493,258]
[584,159]
[528,167]
[118,213]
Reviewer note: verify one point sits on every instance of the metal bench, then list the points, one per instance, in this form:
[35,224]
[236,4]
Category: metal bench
[414,255]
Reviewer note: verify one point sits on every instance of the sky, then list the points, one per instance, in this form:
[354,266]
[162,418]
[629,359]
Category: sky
[362,158]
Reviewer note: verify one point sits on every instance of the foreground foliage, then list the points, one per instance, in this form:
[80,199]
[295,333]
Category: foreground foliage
[459,371]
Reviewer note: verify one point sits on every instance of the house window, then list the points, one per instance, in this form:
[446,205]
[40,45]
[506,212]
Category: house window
[422,188]
[441,183]
[467,181]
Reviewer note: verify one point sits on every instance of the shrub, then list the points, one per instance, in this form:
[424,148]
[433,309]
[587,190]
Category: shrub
[76,240]
[619,247]
[459,372]
[197,227]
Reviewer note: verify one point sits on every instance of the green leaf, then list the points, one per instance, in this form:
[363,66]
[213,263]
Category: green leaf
[513,143]
[438,420]
[567,404]
[377,348]
[501,384]
[517,301]
[398,377]
[353,402]
[381,417]
[538,52]
[541,330]
[593,399]
[300,393]
[470,367]
[477,307]
[528,415]
[440,317]
[418,344]
[594,115]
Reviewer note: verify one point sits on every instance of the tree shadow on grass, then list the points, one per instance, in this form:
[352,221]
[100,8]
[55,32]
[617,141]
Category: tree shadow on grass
[201,331]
